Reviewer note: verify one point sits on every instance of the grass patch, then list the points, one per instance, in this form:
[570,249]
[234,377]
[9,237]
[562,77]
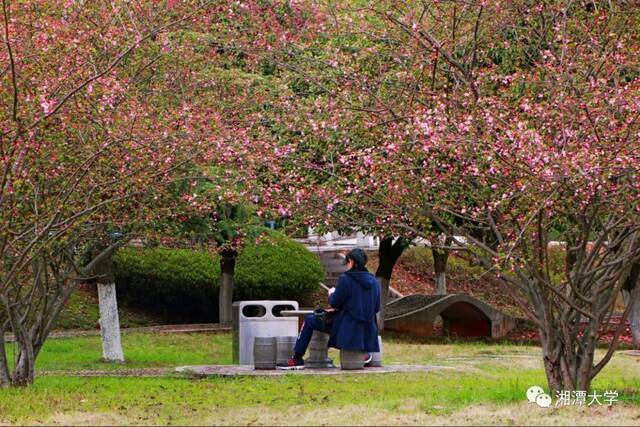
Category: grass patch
[142,350]
[82,312]
[482,382]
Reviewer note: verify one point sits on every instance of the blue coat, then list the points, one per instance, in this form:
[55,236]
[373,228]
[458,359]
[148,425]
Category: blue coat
[357,298]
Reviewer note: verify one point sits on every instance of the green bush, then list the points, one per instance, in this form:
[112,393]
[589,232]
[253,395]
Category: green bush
[277,268]
[179,284]
[182,284]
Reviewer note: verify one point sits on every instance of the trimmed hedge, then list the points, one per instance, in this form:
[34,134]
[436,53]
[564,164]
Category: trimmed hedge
[182,284]
[277,268]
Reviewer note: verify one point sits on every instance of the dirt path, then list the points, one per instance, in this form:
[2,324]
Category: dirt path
[132,372]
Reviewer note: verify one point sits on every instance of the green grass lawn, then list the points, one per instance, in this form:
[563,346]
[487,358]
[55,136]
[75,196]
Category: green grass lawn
[82,312]
[142,350]
[482,383]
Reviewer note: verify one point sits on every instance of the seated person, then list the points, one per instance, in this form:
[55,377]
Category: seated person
[351,322]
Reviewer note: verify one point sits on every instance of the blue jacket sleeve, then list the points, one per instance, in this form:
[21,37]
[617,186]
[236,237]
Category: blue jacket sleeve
[341,294]
[378,293]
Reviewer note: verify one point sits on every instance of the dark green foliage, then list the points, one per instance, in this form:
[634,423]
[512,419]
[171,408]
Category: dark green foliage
[182,284]
[179,284]
[277,268]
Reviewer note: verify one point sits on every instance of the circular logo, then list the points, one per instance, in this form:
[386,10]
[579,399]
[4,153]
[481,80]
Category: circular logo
[534,392]
[543,400]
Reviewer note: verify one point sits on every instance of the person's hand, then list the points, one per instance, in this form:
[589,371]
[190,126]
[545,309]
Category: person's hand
[331,291]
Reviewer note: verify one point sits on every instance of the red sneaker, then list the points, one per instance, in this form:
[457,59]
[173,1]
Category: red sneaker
[292,364]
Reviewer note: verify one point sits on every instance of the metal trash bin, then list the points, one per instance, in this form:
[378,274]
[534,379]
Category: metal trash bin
[259,319]
[284,348]
[264,352]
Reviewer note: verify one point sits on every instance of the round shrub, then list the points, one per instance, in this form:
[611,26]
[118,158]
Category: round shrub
[182,284]
[276,268]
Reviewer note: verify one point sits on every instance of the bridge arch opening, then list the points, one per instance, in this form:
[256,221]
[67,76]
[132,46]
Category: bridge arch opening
[462,319]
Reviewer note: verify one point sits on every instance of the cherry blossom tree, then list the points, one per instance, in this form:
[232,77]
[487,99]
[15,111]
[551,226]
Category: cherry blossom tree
[108,104]
[500,125]
[543,147]
[103,112]
[82,150]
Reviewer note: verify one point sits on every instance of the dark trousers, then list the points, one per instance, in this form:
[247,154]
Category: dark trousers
[310,324]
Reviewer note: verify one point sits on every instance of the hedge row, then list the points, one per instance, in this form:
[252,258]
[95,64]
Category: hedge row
[182,284]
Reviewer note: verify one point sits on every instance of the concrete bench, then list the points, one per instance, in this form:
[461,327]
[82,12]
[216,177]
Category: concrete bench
[351,360]
[318,350]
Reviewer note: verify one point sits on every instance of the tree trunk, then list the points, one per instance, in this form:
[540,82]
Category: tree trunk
[225,285]
[384,296]
[568,365]
[551,358]
[634,314]
[109,323]
[5,378]
[25,368]
[634,317]
[440,258]
[388,254]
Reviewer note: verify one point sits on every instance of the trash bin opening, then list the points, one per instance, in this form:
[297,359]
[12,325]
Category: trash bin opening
[254,311]
[277,309]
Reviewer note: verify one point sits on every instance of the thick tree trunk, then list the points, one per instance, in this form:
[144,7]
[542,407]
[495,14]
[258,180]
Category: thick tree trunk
[554,376]
[440,258]
[388,254]
[568,365]
[551,358]
[25,367]
[109,323]
[225,285]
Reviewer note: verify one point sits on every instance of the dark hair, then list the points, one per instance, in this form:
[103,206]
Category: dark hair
[358,256]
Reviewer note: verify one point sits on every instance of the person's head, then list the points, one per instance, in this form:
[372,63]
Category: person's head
[356,258]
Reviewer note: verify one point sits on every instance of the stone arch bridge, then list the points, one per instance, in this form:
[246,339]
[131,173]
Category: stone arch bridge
[462,316]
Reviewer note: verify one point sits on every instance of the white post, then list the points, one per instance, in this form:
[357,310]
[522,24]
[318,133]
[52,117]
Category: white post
[109,323]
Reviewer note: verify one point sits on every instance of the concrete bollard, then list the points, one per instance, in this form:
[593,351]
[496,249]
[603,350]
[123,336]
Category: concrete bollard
[284,349]
[351,360]
[264,352]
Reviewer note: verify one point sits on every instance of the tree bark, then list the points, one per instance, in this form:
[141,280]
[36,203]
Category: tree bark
[25,367]
[225,285]
[551,362]
[384,296]
[634,313]
[440,258]
[5,378]
[388,254]
[109,323]
[634,321]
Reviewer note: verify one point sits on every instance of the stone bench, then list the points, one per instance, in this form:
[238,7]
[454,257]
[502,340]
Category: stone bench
[352,359]
[318,350]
